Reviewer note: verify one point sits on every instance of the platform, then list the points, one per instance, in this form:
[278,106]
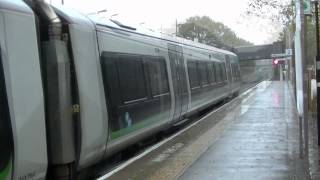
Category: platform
[255,136]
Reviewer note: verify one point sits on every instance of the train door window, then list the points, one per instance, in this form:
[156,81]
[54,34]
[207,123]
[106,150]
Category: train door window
[193,74]
[234,73]
[215,80]
[210,72]
[158,76]
[223,71]
[218,73]
[203,73]
[131,79]
[237,72]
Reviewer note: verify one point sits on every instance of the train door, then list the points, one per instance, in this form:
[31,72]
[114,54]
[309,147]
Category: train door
[6,145]
[228,68]
[229,73]
[179,80]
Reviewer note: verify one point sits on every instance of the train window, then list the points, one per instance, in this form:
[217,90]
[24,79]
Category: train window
[110,78]
[128,85]
[131,78]
[193,74]
[220,57]
[216,56]
[203,73]
[158,76]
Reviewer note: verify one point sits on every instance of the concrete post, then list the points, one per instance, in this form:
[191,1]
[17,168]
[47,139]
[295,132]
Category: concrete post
[301,77]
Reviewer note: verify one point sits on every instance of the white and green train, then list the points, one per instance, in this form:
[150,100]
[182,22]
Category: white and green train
[75,90]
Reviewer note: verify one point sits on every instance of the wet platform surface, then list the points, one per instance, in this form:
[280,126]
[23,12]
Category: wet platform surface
[255,136]
[263,143]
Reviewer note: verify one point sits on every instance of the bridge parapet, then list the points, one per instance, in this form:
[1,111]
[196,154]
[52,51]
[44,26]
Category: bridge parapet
[259,51]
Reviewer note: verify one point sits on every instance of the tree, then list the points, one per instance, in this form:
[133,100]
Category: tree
[279,13]
[276,10]
[207,31]
[283,12]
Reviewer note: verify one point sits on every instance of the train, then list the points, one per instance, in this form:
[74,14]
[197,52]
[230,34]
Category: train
[76,89]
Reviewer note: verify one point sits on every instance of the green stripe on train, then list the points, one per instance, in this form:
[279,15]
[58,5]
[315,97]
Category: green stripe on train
[4,174]
[140,125]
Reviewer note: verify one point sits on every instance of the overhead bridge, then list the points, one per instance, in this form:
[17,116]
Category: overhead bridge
[258,52]
[256,62]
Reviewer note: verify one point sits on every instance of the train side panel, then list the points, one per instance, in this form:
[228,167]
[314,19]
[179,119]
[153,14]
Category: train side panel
[93,112]
[137,83]
[179,81]
[24,89]
[93,125]
[207,80]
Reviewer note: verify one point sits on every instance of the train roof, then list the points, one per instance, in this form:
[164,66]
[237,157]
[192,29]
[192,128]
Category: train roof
[76,17]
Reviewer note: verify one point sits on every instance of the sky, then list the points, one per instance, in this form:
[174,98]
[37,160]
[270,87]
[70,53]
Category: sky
[162,15]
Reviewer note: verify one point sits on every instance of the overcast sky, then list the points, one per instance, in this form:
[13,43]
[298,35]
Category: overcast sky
[164,13]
